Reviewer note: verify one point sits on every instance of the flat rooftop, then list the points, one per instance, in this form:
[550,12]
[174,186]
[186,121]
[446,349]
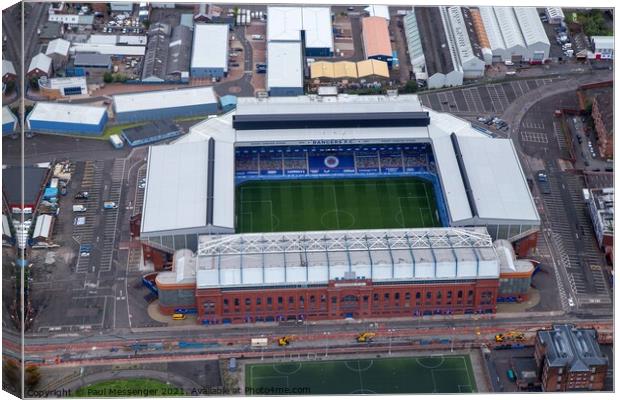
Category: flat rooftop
[158,99]
[67,113]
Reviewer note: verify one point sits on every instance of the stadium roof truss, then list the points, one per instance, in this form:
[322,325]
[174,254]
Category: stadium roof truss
[321,241]
[316,257]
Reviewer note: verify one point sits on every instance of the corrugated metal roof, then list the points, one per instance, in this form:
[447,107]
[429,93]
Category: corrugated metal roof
[509,27]
[322,69]
[276,259]
[108,49]
[284,65]
[210,48]
[345,69]
[372,68]
[376,37]
[492,28]
[180,49]
[43,226]
[92,59]
[531,26]
[67,113]
[481,32]
[158,99]
[58,46]
[41,62]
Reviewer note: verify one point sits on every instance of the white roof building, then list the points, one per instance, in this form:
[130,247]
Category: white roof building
[65,82]
[515,32]
[284,65]
[153,100]
[378,11]
[58,46]
[66,113]
[279,259]
[43,227]
[533,32]
[555,15]
[109,49]
[210,48]
[286,24]
[40,62]
[468,53]
[8,118]
[7,67]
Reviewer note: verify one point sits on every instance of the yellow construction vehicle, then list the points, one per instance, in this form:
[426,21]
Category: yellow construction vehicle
[284,341]
[510,336]
[365,337]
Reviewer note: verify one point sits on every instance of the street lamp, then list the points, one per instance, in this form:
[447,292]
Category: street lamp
[326,343]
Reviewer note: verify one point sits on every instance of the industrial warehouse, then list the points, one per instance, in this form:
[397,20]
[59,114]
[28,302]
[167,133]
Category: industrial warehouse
[164,104]
[475,180]
[67,119]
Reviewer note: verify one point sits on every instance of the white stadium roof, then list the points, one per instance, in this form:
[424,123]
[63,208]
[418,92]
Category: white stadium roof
[285,68]
[493,169]
[210,47]
[67,113]
[499,190]
[154,100]
[176,194]
[286,24]
[278,259]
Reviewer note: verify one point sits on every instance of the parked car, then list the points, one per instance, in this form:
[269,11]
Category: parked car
[81,196]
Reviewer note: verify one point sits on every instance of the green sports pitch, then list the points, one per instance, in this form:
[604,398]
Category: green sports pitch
[437,374]
[333,204]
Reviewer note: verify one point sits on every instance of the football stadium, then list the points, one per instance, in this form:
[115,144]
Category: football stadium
[375,202]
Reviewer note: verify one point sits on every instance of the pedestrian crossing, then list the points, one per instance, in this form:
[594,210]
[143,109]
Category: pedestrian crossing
[574,241]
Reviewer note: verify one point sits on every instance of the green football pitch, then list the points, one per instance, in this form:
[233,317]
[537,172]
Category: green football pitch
[331,204]
[437,374]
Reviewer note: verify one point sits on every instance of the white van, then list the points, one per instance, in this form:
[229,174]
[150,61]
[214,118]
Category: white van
[79,208]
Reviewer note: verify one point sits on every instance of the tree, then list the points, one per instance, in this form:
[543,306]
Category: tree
[34,82]
[10,86]
[107,77]
[33,376]
[10,372]
[410,87]
[146,23]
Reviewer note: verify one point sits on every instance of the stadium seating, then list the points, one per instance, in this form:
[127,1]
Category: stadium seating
[379,159]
